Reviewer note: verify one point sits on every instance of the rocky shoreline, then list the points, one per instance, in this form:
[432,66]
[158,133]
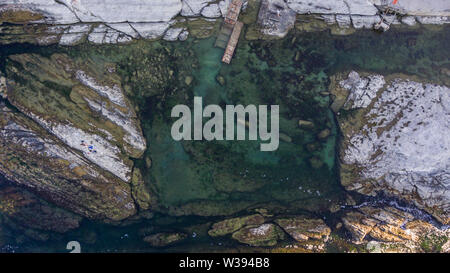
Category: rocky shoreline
[68,22]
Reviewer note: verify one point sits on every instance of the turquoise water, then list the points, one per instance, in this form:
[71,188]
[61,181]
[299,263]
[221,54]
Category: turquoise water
[196,183]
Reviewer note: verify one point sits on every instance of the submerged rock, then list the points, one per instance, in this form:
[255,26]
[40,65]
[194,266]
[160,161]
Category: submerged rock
[264,235]
[164,239]
[397,142]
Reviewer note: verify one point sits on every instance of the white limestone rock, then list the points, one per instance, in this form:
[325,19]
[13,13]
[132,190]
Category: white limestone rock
[403,148]
[193,7]
[362,90]
[124,28]
[343,21]
[183,35]
[421,8]
[276,18]
[223,6]
[408,20]
[119,11]
[433,20]
[74,34]
[366,22]
[354,7]
[151,30]
[211,11]
[172,34]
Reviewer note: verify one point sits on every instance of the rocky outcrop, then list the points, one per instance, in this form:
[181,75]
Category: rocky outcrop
[263,235]
[92,117]
[276,18]
[164,239]
[70,136]
[391,230]
[104,22]
[395,140]
[229,226]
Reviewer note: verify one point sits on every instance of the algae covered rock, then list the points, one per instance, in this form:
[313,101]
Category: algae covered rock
[39,161]
[303,229]
[229,226]
[84,108]
[164,239]
[263,235]
[140,193]
[30,212]
[70,134]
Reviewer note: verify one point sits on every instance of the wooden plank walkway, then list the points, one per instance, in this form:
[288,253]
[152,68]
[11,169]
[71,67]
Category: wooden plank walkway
[230,31]
[229,51]
[233,12]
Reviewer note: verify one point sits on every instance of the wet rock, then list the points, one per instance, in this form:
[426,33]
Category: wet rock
[164,239]
[30,212]
[303,229]
[263,235]
[229,226]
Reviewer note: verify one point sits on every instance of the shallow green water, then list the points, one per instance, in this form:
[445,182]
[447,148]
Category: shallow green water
[198,182]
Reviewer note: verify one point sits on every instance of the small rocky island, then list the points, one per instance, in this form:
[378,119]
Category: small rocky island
[86,89]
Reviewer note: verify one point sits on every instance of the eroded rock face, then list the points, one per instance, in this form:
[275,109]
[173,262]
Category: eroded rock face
[73,137]
[394,230]
[92,117]
[397,142]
